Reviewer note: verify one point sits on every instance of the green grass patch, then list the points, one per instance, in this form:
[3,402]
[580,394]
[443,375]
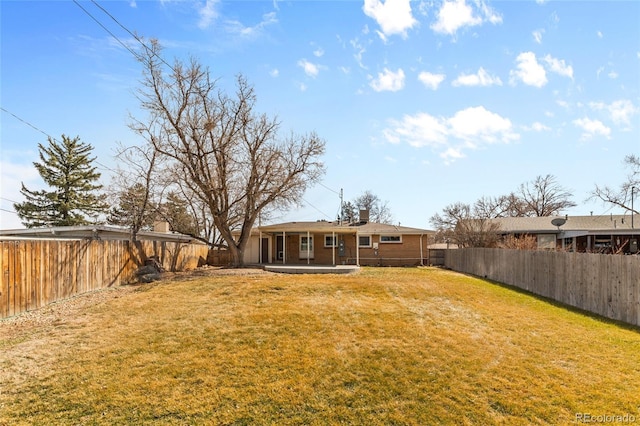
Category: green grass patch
[385,346]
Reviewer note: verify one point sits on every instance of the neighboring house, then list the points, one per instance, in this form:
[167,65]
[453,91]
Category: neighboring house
[97,232]
[333,243]
[591,234]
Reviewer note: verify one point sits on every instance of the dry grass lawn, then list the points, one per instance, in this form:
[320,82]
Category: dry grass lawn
[384,346]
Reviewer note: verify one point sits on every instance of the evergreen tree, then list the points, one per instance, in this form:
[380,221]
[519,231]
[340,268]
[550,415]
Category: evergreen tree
[175,211]
[66,168]
[134,209]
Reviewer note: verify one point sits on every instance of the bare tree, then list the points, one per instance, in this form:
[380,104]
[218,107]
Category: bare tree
[231,157]
[462,225]
[199,213]
[473,225]
[523,242]
[135,192]
[622,197]
[503,206]
[545,197]
[379,210]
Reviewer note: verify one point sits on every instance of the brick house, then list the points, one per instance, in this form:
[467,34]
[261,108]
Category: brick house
[335,243]
[591,234]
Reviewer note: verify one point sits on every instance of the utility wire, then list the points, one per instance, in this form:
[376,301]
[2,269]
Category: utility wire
[6,199]
[326,187]
[48,136]
[134,35]
[311,205]
[137,56]
[29,124]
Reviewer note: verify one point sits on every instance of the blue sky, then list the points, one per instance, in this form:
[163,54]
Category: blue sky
[424,103]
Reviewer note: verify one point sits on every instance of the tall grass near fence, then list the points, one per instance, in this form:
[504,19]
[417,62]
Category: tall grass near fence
[606,285]
[35,273]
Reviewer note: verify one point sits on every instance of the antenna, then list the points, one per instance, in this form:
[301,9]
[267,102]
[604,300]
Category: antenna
[341,205]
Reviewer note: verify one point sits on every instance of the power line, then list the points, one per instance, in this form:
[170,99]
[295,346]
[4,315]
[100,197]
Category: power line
[107,30]
[29,124]
[320,211]
[326,187]
[48,136]
[6,199]
[134,35]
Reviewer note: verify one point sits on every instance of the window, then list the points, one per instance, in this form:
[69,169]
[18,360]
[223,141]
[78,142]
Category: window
[306,247]
[390,238]
[546,242]
[330,240]
[364,240]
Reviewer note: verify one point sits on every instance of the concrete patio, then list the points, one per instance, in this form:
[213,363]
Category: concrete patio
[311,269]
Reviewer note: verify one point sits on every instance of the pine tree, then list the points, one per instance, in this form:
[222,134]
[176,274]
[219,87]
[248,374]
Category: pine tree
[134,209]
[175,211]
[66,168]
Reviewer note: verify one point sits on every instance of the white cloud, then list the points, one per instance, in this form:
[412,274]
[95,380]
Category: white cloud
[274,72]
[451,154]
[481,78]
[471,128]
[430,80]
[529,71]
[537,36]
[418,130]
[558,66]
[388,81]
[207,12]
[311,69]
[539,127]
[599,34]
[236,27]
[318,52]
[393,16]
[359,51]
[592,128]
[477,124]
[456,14]
[620,111]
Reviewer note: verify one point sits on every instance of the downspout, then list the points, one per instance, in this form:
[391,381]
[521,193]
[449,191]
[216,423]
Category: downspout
[260,247]
[421,256]
[308,249]
[333,247]
[357,248]
[284,247]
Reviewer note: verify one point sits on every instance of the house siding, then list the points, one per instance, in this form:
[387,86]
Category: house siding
[405,253]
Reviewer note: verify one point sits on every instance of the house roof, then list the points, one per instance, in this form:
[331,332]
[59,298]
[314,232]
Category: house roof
[580,224]
[324,226]
[92,232]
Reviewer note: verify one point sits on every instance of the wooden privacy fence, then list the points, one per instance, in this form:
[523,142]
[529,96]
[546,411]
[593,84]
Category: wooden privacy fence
[607,285]
[38,272]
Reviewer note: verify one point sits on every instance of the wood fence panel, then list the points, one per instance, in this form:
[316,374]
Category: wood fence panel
[34,273]
[607,285]
[4,281]
[14,289]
